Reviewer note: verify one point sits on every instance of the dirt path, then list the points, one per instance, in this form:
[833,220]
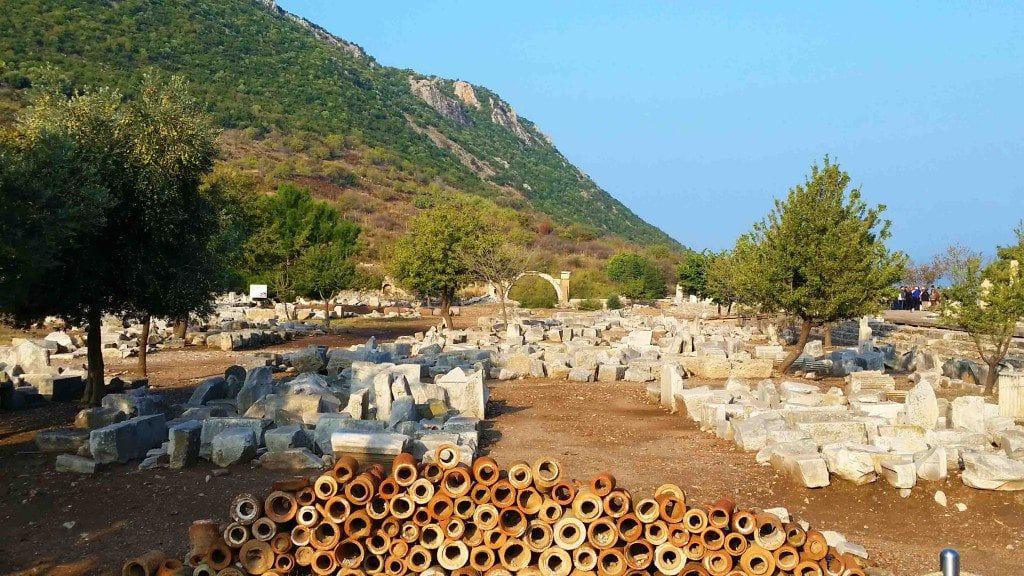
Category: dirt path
[613,427]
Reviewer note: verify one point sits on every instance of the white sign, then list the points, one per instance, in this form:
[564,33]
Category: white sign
[257,290]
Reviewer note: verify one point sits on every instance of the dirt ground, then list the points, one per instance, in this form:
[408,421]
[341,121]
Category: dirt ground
[64,524]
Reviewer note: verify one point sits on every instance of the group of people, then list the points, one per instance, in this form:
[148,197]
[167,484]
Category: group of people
[916,298]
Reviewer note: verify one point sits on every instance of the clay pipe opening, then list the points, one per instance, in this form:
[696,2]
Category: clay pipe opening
[486,471]
[245,509]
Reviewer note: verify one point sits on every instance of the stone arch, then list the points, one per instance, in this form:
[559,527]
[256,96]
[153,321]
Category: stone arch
[561,285]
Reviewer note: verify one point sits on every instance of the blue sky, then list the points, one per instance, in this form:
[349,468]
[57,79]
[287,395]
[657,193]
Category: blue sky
[697,115]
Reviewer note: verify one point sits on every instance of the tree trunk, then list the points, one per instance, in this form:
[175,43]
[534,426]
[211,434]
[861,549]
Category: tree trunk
[94,347]
[827,337]
[181,327]
[143,346]
[446,312]
[504,308]
[719,309]
[728,310]
[327,312]
[992,377]
[805,332]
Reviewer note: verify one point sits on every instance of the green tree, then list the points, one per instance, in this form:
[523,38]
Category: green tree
[148,153]
[692,273]
[292,223]
[637,277]
[987,302]
[721,281]
[820,255]
[433,258]
[499,264]
[325,269]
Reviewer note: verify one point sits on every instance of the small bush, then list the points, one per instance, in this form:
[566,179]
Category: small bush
[589,305]
[533,292]
[613,302]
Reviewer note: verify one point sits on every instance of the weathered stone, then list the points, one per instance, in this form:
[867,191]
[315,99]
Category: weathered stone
[32,357]
[328,425]
[840,431]
[921,408]
[898,471]
[610,372]
[98,417]
[286,438]
[369,443]
[992,472]
[213,388]
[931,464]
[183,442]
[293,459]
[258,383]
[127,440]
[77,464]
[402,410]
[58,388]
[61,439]
[233,446]
[810,470]
[968,412]
[853,463]
[358,403]
[466,393]
[214,426]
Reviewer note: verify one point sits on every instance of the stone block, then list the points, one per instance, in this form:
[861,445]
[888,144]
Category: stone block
[367,443]
[610,372]
[853,463]
[968,412]
[286,438]
[183,442]
[810,470]
[992,472]
[98,417]
[293,459]
[127,440]
[214,426]
[58,388]
[835,432]
[61,439]
[77,464]
[233,446]
[921,407]
[213,388]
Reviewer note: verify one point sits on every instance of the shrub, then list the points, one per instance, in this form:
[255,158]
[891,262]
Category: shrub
[613,302]
[589,305]
[533,292]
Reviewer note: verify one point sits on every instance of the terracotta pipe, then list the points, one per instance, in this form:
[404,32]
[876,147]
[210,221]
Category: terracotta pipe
[694,549]
[656,532]
[546,472]
[570,533]
[539,536]
[235,535]
[307,516]
[493,571]
[421,491]
[587,506]
[670,489]
[555,562]
[611,562]
[403,469]
[447,456]
[584,558]
[756,561]
[305,497]
[602,534]
[453,528]
[304,555]
[325,487]
[786,557]
[718,562]
[281,543]
[795,535]
[677,535]
[503,494]
[421,517]
[464,508]
[473,535]
[495,539]
[391,527]
[401,507]
[815,546]
[362,488]
[256,557]
[520,475]
[457,481]
[481,558]
[768,532]
[218,556]
[486,471]
[647,510]
[345,468]
[337,509]
[388,488]
[480,494]
[529,501]
[399,548]
[144,565]
[431,536]
[394,566]
[378,542]
[695,520]
[284,563]
[672,509]
[453,555]
[807,568]
[326,535]
[743,522]
[734,543]
[263,529]
[280,507]
[418,559]
[349,554]
[432,471]
[832,565]
[464,571]
[617,503]
[712,538]
[300,536]
[514,555]
[639,555]
[204,570]
[486,517]
[563,493]
[230,571]
[550,511]
[373,564]
[602,484]
[512,522]
[630,529]
[202,534]
[721,513]
[246,508]
[323,562]
[853,565]
[441,507]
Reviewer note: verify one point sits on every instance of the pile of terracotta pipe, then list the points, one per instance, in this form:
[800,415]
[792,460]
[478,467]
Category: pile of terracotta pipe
[443,517]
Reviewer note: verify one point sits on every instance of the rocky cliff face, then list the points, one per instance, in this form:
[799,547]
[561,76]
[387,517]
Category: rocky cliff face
[429,90]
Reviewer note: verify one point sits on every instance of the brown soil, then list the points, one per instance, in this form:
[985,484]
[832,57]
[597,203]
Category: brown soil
[589,427]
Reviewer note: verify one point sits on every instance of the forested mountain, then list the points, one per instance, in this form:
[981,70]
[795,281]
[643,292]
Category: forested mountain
[298,104]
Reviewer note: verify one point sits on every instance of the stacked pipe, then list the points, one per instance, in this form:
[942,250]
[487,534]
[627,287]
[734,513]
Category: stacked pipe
[444,517]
